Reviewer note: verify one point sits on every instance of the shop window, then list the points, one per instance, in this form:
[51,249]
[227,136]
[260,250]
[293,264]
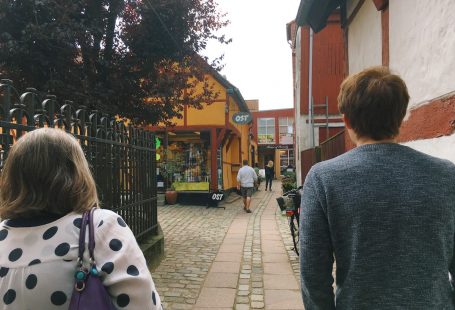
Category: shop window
[287,161]
[266,130]
[187,162]
[286,130]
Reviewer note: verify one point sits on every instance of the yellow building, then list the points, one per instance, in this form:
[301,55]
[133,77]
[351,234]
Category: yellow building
[205,149]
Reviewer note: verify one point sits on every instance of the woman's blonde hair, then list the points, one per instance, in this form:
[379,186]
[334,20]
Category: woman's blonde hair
[46,172]
[270,164]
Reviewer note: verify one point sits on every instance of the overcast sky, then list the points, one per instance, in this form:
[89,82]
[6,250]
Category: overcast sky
[258,61]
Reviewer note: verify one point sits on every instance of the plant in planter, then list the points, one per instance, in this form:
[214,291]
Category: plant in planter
[288,182]
[171,195]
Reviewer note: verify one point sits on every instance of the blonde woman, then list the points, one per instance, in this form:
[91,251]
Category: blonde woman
[45,187]
[269,174]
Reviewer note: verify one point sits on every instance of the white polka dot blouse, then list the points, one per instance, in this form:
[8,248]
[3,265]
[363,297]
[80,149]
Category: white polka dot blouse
[37,264]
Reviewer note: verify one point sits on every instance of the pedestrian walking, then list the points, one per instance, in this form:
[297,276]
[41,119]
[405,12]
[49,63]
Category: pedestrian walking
[46,186]
[269,175]
[383,211]
[258,182]
[246,179]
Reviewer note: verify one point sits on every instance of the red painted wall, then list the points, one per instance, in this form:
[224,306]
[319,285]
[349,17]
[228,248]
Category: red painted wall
[432,120]
[328,65]
[332,131]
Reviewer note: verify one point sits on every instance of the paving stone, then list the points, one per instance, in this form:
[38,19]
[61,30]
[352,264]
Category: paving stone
[191,301]
[280,282]
[257,291]
[244,287]
[172,294]
[193,286]
[242,300]
[257,298]
[175,285]
[242,307]
[171,299]
[228,257]
[283,299]
[231,267]
[277,268]
[257,305]
[182,307]
[216,297]
[257,284]
[221,279]
[244,281]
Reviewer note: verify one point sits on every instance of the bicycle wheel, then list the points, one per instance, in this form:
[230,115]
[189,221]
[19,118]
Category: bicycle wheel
[294,227]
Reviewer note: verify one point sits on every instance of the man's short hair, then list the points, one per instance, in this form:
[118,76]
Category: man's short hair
[245,162]
[374,101]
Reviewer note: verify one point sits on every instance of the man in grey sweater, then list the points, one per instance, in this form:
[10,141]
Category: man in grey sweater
[383,211]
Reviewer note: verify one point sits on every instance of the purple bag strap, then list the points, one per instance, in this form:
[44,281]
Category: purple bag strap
[91,234]
[87,218]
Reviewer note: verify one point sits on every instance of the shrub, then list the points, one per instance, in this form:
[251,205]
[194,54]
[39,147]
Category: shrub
[288,182]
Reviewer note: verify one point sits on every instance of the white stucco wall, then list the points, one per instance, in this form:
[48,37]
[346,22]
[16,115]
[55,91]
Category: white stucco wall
[443,147]
[303,129]
[365,38]
[422,47]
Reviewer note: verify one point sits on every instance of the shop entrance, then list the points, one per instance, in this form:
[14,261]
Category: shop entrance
[264,155]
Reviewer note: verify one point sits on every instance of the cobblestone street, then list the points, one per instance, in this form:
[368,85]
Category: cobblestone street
[228,259]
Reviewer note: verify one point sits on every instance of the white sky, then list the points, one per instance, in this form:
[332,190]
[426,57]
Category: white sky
[259,59]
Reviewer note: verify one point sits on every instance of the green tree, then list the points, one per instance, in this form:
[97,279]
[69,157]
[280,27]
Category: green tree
[112,55]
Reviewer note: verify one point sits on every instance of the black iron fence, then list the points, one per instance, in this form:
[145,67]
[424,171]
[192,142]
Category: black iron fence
[122,157]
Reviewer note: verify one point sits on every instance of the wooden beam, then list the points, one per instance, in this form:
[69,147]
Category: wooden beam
[385,36]
[213,166]
[228,145]
[220,137]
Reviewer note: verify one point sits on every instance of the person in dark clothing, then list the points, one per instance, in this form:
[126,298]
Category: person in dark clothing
[258,183]
[269,174]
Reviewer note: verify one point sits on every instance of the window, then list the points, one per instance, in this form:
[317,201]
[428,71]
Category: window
[286,130]
[266,130]
[287,160]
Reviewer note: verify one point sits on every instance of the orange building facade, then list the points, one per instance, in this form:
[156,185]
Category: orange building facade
[204,150]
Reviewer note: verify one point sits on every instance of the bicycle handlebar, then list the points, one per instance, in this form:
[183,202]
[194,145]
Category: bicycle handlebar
[294,190]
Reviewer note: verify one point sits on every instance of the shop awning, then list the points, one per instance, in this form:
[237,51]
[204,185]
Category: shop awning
[316,12]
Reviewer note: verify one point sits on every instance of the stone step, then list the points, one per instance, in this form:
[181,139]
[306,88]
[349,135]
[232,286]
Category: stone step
[160,201]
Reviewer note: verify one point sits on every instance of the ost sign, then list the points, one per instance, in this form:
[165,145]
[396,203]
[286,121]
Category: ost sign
[242,117]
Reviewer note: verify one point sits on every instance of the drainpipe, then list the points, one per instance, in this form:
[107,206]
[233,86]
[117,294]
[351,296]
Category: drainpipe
[310,88]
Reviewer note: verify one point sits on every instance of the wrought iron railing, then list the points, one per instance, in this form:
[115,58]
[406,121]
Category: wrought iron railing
[122,157]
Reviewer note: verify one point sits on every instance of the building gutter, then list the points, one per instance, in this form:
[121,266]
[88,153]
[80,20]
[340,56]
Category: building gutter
[310,88]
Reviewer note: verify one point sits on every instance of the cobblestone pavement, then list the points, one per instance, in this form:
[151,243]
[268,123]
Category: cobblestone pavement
[213,261]
[192,237]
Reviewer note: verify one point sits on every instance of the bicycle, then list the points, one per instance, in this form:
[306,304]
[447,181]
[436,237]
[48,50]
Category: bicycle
[290,201]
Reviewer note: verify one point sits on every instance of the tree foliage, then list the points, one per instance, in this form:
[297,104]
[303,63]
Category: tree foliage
[118,56]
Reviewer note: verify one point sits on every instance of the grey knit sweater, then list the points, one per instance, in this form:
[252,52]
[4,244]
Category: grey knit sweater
[386,213]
